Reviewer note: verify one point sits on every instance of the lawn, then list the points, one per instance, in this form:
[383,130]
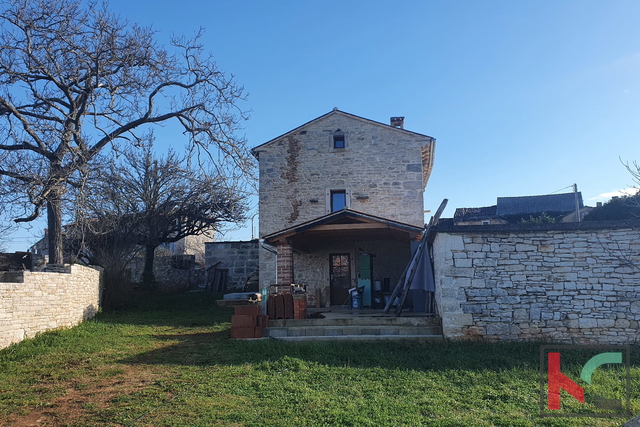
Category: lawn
[168,361]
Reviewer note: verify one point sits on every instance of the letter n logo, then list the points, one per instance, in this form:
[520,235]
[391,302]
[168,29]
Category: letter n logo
[557,380]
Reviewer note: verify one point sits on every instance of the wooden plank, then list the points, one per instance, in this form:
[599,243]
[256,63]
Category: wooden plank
[402,288]
[358,226]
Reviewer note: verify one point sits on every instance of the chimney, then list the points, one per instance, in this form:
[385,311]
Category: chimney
[46,232]
[397,122]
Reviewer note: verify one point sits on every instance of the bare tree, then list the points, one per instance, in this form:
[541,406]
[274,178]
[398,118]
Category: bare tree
[160,200]
[74,80]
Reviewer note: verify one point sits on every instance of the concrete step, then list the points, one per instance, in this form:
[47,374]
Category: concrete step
[358,321]
[342,338]
[352,330]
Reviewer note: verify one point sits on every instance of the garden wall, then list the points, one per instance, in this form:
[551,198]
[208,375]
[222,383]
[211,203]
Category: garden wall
[239,258]
[172,273]
[32,302]
[574,283]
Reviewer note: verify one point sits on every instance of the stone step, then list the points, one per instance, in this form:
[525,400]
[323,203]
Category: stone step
[358,330]
[358,321]
[342,338]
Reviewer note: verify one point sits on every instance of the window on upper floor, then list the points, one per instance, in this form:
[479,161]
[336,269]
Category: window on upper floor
[338,141]
[338,200]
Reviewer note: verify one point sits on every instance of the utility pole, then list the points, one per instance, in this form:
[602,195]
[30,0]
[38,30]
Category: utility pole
[575,193]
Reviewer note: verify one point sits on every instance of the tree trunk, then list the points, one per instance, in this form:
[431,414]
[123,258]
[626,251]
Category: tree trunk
[148,280]
[54,220]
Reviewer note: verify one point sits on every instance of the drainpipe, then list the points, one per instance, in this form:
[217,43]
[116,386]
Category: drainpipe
[263,305]
[273,251]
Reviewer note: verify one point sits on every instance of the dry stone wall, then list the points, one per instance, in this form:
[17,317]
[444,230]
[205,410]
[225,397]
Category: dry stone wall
[172,273]
[33,302]
[575,283]
[239,258]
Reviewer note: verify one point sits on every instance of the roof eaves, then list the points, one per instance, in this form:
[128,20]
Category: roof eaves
[337,215]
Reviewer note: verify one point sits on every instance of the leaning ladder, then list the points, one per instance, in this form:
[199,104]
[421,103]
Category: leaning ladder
[404,284]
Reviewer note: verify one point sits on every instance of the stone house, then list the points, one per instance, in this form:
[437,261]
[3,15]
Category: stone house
[341,205]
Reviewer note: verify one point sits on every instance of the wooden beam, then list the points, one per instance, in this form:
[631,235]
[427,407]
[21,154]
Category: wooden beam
[360,226]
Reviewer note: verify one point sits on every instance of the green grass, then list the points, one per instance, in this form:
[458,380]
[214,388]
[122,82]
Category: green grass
[169,362]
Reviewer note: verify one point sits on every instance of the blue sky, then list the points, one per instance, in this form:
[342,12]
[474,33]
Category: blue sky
[523,97]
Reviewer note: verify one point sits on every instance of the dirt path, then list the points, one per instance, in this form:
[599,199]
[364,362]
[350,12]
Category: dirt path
[86,396]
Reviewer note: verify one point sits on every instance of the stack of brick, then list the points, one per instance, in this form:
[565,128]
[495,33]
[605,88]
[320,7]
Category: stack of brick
[299,306]
[247,322]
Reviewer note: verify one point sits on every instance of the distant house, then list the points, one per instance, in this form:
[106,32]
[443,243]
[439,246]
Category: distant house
[189,245]
[341,204]
[562,207]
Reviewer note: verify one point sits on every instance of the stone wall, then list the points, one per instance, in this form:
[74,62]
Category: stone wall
[239,258]
[383,171]
[34,302]
[172,272]
[574,283]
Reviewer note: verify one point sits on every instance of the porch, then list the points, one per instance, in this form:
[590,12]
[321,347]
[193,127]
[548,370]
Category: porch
[339,323]
[341,251]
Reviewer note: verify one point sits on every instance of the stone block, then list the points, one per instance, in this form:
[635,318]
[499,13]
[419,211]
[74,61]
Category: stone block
[462,262]
[498,329]
[471,308]
[606,323]
[520,314]
[508,300]
[521,247]
[622,323]
[588,322]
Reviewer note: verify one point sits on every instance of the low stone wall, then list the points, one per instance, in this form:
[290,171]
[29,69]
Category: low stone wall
[239,258]
[172,273]
[33,302]
[574,283]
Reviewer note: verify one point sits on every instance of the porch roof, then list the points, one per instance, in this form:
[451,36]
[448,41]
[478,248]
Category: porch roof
[345,224]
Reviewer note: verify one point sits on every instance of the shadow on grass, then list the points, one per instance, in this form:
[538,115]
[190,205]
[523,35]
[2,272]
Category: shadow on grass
[208,349]
[178,310]
[195,348]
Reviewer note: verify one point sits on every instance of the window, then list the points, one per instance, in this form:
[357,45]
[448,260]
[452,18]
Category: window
[338,200]
[338,141]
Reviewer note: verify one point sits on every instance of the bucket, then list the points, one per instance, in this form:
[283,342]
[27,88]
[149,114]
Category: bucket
[356,300]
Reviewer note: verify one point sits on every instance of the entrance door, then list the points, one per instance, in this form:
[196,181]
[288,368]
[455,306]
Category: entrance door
[339,278]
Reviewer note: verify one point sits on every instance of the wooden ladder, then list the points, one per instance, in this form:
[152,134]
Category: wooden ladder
[404,284]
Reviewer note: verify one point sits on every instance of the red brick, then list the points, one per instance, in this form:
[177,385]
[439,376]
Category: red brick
[243,321]
[257,332]
[243,332]
[247,310]
[262,320]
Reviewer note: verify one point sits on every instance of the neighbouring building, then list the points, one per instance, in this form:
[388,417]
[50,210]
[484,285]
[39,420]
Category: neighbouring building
[561,207]
[341,204]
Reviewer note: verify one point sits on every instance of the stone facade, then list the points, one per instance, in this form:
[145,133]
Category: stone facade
[574,283]
[383,171]
[239,258]
[33,302]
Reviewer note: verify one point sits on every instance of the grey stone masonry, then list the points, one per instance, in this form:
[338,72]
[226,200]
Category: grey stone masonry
[576,283]
[239,258]
[40,301]
[382,170]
